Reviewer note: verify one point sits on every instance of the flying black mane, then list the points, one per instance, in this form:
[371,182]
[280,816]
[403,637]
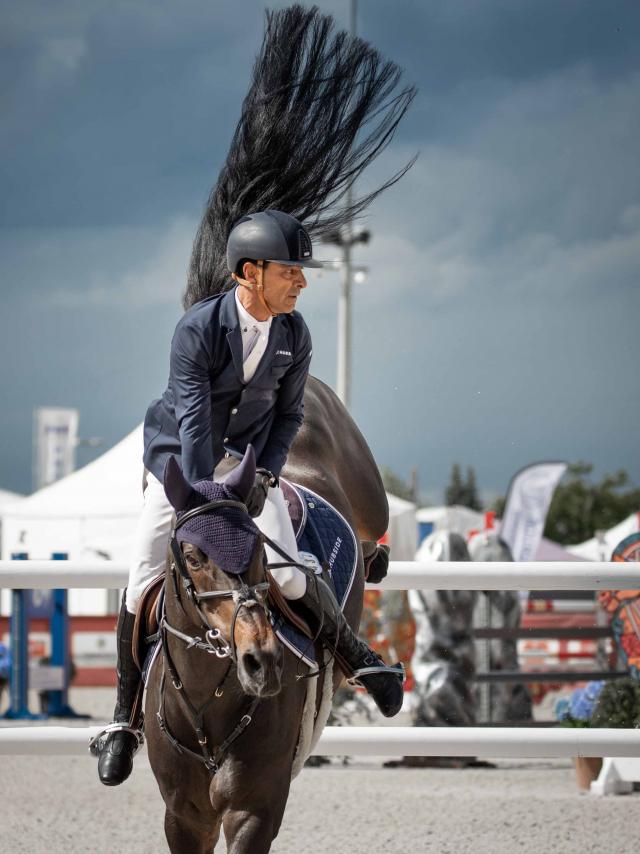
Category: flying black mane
[321,106]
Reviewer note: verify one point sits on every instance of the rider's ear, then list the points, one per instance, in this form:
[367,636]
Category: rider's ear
[249,271]
[177,488]
[243,477]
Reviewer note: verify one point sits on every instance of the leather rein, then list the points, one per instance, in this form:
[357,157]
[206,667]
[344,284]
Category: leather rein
[212,641]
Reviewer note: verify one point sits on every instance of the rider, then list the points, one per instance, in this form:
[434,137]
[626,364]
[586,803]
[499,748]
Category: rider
[238,365]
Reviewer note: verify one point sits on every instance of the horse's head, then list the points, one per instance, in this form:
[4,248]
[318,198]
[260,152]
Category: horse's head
[218,558]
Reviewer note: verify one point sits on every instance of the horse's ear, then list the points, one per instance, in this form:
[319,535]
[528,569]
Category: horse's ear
[242,477]
[177,488]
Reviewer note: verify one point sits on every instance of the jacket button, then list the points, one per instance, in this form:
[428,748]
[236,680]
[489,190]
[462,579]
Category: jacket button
[234,411]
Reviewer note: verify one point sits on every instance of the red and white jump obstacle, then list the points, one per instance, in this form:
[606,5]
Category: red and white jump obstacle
[521,742]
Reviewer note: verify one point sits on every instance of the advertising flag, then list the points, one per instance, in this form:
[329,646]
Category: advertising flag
[526,508]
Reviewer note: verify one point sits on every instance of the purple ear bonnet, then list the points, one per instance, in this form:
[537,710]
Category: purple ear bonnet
[228,536]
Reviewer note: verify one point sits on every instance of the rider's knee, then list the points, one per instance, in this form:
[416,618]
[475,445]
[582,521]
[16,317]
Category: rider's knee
[132,599]
[291,581]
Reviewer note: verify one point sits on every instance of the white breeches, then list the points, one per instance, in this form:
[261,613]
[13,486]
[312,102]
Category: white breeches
[149,554]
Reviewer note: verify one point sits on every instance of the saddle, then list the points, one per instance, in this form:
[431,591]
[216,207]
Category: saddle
[320,529]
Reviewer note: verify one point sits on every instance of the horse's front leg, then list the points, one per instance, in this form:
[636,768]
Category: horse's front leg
[185,837]
[251,832]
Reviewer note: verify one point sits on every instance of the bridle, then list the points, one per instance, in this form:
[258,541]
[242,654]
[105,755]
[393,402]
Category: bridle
[245,596]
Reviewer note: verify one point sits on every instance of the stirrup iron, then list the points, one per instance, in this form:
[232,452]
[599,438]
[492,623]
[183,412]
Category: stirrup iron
[97,743]
[397,669]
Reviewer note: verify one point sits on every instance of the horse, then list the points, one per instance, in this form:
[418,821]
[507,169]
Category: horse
[223,712]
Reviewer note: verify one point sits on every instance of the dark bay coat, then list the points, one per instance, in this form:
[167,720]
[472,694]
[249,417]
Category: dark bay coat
[207,408]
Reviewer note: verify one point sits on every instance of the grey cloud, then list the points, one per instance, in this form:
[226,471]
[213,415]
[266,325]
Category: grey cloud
[155,277]
[148,112]
[448,42]
[543,178]
[75,266]
[496,325]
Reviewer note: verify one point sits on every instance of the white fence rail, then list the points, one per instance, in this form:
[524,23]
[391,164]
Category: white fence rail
[498,742]
[373,741]
[403,575]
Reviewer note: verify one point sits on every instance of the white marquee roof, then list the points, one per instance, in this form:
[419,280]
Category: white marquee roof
[601,549]
[92,512]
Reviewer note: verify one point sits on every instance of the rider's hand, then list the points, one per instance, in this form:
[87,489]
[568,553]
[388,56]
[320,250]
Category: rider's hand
[258,495]
[378,565]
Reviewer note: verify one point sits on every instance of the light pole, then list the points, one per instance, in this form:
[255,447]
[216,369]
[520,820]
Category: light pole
[346,239]
[344,320]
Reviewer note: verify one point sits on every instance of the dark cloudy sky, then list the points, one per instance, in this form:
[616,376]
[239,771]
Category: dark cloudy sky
[498,324]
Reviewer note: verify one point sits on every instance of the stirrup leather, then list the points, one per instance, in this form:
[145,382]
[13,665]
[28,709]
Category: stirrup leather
[97,743]
[396,669]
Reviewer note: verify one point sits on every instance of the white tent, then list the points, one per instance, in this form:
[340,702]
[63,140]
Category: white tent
[600,548]
[462,520]
[403,533]
[87,514]
[7,497]
[90,514]
[457,519]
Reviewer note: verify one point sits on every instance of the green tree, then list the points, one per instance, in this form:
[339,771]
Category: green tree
[455,492]
[580,507]
[472,499]
[462,492]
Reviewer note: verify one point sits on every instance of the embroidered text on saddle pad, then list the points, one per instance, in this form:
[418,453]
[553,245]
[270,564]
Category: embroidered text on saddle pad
[323,531]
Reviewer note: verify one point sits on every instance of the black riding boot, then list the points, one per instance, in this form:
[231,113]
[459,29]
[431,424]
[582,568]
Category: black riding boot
[321,611]
[117,749]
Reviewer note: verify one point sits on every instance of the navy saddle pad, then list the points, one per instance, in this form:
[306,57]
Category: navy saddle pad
[323,531]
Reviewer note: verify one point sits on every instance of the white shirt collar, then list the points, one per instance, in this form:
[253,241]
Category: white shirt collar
[247,321]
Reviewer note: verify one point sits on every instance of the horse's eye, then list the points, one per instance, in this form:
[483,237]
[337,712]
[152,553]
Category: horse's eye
[193,561]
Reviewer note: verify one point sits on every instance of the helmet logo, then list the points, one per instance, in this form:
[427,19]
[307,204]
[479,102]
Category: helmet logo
[304,244]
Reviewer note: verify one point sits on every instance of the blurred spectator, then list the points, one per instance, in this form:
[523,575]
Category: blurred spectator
[5,667]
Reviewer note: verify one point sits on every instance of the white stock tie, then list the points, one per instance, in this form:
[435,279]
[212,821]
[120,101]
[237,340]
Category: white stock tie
[252,355]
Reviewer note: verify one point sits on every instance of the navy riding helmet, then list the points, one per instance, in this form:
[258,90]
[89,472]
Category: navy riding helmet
[269,236]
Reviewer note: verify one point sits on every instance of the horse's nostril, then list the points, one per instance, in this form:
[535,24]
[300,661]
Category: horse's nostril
[251,664]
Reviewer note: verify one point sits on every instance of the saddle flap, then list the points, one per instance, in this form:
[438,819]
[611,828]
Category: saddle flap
[276,598]
[146,623]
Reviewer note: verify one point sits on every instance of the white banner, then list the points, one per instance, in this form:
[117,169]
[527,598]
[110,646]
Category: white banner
[525,512]
[55,440]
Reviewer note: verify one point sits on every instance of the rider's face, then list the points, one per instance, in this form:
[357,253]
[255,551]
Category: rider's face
[282,286]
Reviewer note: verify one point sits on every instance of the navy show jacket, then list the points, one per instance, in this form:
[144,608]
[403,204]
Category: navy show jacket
[208,409]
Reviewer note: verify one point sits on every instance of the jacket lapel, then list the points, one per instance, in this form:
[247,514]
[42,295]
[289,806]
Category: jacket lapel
[229,319]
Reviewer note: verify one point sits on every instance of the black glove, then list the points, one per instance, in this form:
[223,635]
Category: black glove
[258,495]
[378,565]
